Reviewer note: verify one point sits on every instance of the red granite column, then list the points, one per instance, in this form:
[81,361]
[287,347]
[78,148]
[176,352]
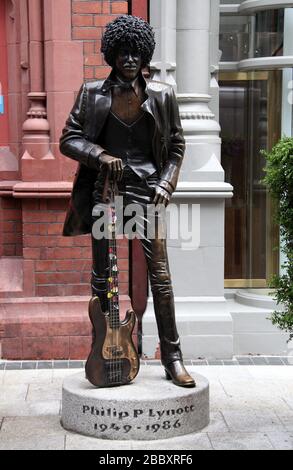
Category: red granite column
[140,8]
[3,105]
[8,160]
[10,137]
[3,80]
[38,163]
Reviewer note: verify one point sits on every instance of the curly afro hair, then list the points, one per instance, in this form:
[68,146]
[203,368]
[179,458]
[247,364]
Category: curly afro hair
[130,31]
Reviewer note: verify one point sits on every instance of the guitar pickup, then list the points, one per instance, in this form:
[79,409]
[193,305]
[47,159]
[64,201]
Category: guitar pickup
[115,351]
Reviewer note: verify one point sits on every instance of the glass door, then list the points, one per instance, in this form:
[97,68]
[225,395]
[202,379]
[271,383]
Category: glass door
[250,118]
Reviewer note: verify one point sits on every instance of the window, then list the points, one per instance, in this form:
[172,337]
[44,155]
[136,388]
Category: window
[259,35]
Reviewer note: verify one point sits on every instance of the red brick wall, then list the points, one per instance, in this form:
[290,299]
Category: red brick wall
[62,264]
[89,19]
[11,227]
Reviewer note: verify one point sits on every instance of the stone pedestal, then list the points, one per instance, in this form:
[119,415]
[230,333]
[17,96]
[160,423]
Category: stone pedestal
[149,408]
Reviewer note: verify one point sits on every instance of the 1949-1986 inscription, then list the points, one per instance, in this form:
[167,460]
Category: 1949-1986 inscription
[164,419]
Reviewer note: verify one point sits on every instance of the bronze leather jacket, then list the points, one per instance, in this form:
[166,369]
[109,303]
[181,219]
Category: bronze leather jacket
[80,141]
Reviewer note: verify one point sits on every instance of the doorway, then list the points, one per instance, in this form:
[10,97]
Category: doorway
[250,118]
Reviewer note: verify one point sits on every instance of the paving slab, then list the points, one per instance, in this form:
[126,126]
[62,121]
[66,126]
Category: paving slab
[27,376]
[287,420]
[240,441]
[261,394]
[276,404]
[13,392]
[40,392]
[29,365]
[217,423]
[217,389]
[252,420]
[33,443]
[59,375]
[243,388]
[281,440]
[198,441]
[31,426]
[223,372]
[27,408]
[289,401]
[271,372]
[78,442]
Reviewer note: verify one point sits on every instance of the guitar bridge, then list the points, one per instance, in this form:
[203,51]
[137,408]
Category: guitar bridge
[114,372]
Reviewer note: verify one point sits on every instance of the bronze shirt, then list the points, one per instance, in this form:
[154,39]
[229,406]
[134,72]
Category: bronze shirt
[128,131]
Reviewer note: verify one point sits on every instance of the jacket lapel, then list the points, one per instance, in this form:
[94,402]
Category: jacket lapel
[102,100]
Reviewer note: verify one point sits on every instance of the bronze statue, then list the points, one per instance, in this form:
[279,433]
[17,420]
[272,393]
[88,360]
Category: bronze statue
[128,128]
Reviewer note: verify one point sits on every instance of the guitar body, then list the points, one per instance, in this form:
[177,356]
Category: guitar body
[113,359]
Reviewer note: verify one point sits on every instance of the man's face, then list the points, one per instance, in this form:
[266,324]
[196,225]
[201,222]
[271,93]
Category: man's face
[128,63]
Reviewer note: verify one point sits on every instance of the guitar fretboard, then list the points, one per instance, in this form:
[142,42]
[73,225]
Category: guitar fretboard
[113,287]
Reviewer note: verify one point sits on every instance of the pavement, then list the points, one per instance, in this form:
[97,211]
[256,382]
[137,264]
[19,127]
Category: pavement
[251,408]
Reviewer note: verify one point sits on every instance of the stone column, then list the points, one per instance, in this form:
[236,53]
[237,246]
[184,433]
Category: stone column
[37,162]
[203,318]
[163,20]
[215,57]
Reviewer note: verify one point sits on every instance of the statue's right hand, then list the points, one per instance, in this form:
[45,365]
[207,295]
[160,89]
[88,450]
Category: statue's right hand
[113,164]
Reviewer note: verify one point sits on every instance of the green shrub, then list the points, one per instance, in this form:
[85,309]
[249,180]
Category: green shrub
[279,180]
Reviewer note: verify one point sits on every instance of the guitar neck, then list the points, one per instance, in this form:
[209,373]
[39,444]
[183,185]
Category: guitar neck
[113,282]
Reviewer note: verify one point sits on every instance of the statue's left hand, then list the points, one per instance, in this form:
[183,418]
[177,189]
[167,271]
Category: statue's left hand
[162,196]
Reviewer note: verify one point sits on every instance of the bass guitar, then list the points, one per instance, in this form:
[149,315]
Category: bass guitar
[113,359]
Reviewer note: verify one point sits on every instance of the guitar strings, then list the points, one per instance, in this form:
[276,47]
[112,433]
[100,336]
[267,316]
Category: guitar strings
[112,320]
[112,292]
[109,292]
[112,367]
[115,291]
[114,288]
[115,364]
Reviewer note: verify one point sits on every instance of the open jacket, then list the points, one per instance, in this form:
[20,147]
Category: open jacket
[80,141]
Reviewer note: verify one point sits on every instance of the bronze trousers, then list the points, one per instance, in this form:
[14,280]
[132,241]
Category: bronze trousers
[141,191]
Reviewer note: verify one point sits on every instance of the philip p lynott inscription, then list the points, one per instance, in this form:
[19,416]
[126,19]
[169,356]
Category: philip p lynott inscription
[164,419]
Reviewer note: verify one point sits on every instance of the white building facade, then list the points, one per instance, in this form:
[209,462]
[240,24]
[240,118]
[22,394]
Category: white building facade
[230,63]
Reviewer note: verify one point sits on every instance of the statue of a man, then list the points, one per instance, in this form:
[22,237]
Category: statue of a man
[129,128]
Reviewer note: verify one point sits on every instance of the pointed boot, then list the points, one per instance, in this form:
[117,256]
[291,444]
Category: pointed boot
[171,355]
